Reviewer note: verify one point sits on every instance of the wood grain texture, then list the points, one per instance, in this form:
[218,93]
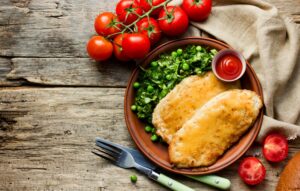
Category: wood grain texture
[48,28]
[70,72]
[61,28]
[289,8]
[47,134]
[5,68]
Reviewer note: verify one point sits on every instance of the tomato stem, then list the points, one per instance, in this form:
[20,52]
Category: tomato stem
[147,14]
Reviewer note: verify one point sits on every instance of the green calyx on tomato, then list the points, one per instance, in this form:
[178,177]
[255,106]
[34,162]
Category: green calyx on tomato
[170,15]
[107,24]
[130,10]
[114,23]
[198,2]
[150,28]
[173,21]
[197,10]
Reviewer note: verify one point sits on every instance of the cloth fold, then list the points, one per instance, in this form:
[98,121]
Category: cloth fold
[271,44]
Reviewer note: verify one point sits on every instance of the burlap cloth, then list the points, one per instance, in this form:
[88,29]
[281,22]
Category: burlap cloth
[271,44]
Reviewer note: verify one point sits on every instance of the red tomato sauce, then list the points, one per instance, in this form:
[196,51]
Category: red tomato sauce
[229,67]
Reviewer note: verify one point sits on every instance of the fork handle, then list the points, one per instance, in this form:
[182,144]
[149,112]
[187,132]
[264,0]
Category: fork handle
[170,183]
[213,180]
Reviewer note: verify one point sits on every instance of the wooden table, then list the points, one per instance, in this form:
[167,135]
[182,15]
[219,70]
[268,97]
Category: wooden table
[54,101]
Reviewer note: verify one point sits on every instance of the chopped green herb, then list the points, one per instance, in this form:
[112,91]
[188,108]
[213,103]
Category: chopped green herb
[153,130]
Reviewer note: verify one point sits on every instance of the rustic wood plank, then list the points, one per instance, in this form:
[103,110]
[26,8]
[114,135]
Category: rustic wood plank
[5,68]
[70,72]
[46,135]
[289,8]
[48,28]
[61,28]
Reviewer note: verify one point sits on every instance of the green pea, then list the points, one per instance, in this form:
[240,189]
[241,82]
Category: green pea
[133,107]
[154,64]
[150,88]
[179,51]
[136,85]
[197,70]
[148,128]
[133,178]
[185,66]
[154,137]
[168,77]
[174,54]
[198,48]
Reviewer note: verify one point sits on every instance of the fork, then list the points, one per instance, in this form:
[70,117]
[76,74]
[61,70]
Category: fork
[122,158]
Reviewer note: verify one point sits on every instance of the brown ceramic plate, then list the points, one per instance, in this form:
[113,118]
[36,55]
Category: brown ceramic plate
[157,152]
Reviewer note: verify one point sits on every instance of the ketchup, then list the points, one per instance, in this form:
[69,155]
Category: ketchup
[229,67]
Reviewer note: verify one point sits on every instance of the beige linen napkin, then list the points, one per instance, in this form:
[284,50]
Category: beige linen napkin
[272,45]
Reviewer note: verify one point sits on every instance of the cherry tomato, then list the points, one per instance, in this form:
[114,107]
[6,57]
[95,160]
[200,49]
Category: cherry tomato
[197,10]
[150,28]
[252,171]
[174,21]
[275,147]
[146,6]
[106,24]
[127,11]
[136,45]
[99,48]
[118,50]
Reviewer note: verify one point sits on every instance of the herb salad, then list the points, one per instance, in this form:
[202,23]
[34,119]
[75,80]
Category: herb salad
[155,82]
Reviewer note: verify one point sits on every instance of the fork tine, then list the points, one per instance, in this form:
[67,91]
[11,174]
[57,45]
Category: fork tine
[108,152]
[108,149]
[107,146]
[114,145]
[113,160]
